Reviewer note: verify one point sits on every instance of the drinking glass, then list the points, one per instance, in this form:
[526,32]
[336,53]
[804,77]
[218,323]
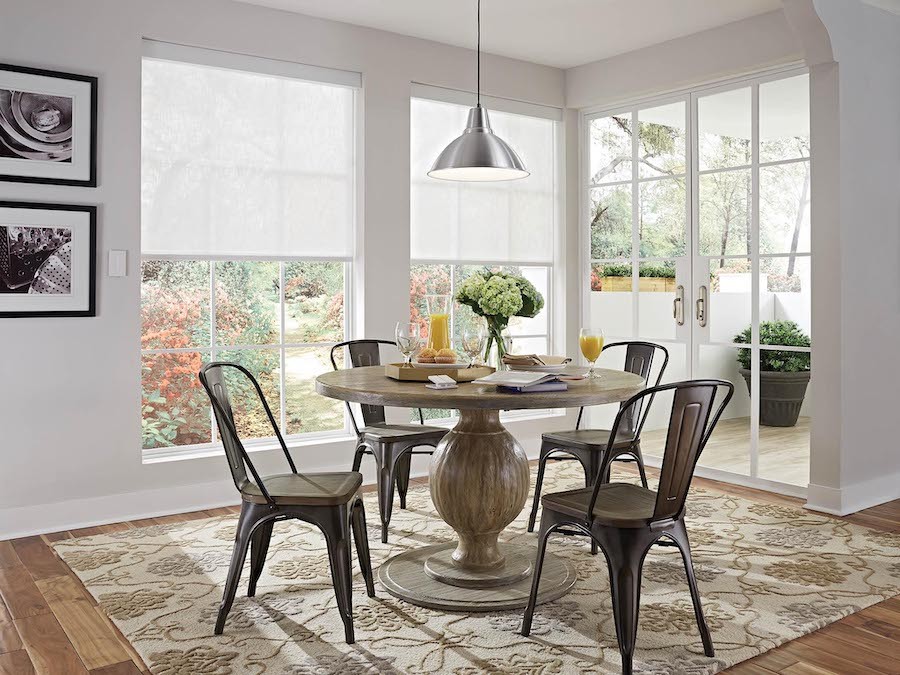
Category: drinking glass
[591,342]
[408,339]
[473,339]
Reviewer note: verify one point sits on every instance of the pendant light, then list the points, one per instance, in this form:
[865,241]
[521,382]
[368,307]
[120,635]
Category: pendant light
[478,155]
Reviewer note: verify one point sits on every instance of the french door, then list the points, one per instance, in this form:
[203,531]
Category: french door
[697,212]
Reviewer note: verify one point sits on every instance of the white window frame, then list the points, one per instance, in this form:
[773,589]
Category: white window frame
[153,50]
[691,95]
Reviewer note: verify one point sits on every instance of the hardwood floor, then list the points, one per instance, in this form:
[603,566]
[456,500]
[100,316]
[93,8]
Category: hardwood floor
[783,451]
[50,624]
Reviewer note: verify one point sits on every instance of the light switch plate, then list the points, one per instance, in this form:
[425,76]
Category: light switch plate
[118,263]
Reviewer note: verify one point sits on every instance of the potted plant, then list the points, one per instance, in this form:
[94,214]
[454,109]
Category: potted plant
[498,296]
[783,375]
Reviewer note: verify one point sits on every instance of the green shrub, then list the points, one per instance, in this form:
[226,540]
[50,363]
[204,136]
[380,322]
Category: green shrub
[785,333]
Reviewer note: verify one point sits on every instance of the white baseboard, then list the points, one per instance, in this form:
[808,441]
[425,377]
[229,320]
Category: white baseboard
[72,514]
[853,498]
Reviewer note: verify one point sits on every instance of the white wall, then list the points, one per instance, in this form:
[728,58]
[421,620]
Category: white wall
[857,97]
[70,402]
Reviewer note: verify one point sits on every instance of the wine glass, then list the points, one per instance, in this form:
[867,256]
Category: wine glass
[408,339]
[473,339]
[591,342]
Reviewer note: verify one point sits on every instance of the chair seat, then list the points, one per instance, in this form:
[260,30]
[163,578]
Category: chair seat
[392,433]
[586,438]
[618,504]
[311,489]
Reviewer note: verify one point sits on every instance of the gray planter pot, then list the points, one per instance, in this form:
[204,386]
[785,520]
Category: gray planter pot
[780,396]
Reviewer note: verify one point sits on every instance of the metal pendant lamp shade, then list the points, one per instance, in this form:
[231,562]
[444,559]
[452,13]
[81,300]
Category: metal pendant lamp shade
[478,154]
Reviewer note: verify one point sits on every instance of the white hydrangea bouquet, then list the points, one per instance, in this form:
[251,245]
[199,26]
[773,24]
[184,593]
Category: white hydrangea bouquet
[499,296]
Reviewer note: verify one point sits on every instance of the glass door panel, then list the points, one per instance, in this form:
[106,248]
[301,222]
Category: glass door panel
[729,448]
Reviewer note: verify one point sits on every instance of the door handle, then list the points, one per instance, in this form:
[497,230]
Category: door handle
[702,304]
[678,306]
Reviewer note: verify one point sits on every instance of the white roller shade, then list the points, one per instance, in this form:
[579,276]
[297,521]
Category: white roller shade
[238,163]
[477,222]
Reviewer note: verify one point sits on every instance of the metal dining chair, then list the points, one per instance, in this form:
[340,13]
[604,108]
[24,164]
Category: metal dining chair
[588,446]
[625,520]
[392,445]
[330,501]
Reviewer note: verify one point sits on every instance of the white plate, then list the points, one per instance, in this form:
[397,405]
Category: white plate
[440,365]
[553,369]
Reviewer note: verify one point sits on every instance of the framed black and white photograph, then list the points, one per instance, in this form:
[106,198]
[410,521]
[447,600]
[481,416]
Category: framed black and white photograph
[47,259]
[48,127]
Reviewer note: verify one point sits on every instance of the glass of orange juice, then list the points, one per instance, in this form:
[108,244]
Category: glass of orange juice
[591,342]
[439,321]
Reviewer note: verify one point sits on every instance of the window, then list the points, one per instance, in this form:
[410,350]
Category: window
[459,228]
[248,210]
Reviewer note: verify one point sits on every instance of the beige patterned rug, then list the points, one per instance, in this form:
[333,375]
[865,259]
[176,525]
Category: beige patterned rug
[767,574]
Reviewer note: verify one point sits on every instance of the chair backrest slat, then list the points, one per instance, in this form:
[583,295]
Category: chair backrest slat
[693,417]
[362,353]
[639,361]
[212,377]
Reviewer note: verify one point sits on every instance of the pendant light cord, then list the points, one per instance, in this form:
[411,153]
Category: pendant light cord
[478,58]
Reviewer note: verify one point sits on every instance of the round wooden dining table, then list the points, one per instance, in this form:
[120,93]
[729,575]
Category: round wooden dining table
[479,480]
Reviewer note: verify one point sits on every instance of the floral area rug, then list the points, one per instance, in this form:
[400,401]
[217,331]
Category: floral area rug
[767,574]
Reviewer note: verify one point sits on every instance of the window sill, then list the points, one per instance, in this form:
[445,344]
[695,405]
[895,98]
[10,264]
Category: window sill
[179,453]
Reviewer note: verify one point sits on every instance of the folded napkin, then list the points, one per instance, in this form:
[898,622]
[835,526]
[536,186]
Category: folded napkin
[534,360]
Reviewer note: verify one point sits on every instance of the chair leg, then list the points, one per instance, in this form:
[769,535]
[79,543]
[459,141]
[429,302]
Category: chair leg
[625,585]
[259,547]
[403,468]
[386,481]
[542,464]
[681,539]
[248,518]
[535,580]
[590,462]
[361,536]
[338,542]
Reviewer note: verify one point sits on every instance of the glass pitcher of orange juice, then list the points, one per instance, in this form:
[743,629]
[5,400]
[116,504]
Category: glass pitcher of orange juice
[439,321]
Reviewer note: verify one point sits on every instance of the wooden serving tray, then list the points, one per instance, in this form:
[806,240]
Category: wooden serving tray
[397,371]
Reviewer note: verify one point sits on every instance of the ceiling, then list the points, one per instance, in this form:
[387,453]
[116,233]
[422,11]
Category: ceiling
[560,33]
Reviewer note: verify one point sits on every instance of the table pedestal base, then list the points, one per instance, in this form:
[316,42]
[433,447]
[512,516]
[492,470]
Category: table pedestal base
[425,576]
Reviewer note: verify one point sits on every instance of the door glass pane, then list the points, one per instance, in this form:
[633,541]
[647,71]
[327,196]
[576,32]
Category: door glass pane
[611,222]
[724,129]
[730,294]
[662,136]
[662,218]
[610,149]
[725,202]
[175,409]
[784,119]
[729,446]
[786,291]
[248,310]
[611,298]
[784,208]
[250,417]
[784,419]
[174,304]
[305,410]
[313,302]
[656,295]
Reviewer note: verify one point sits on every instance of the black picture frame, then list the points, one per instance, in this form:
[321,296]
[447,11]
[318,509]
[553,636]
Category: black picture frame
[92,81]
[92,259]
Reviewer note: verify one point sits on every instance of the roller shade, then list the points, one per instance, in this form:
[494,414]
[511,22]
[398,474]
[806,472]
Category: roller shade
[478,222]
[246,164]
